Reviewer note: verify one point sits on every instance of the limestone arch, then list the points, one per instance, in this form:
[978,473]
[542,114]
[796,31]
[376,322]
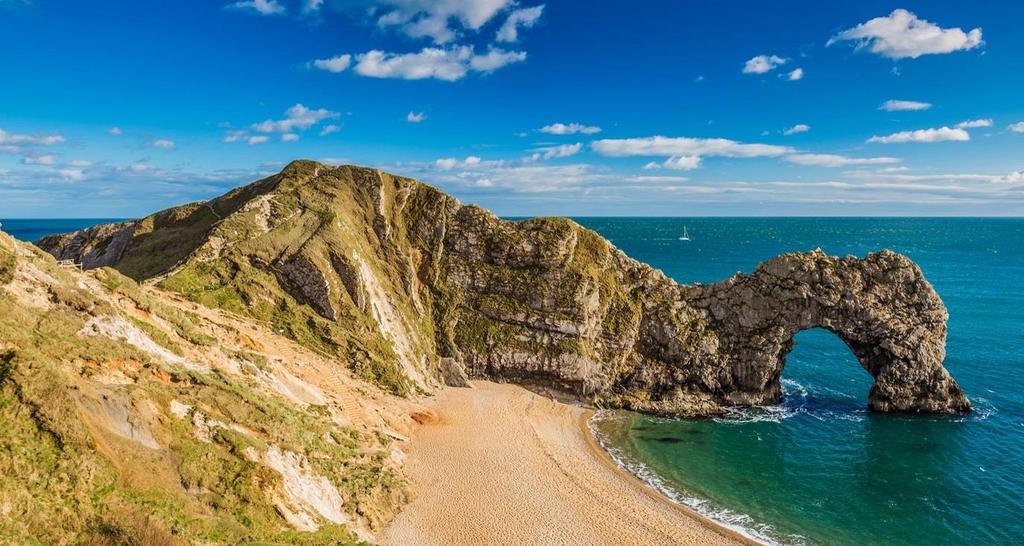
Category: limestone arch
[881,307]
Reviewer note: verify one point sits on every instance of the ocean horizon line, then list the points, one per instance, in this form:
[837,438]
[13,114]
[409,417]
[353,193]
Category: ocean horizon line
[522,216]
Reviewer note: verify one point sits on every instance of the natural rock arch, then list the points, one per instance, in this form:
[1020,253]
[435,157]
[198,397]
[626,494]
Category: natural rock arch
[880,306]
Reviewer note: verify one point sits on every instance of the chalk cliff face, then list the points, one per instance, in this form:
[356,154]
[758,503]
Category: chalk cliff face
[403,282]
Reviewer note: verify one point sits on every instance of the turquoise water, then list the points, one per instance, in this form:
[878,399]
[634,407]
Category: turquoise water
[820,469]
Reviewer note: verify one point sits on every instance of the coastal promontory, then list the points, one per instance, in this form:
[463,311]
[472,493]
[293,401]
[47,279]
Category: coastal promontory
[399,281]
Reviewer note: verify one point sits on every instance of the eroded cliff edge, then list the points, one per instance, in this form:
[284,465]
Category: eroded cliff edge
[130,416]
[399,281]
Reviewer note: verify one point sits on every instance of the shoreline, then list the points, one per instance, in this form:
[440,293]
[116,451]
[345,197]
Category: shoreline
[602,454]
[503,465]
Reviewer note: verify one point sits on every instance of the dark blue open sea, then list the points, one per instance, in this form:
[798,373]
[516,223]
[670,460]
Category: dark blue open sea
[819,469]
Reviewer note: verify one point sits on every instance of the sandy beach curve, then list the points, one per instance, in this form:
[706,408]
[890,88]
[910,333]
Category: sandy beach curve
[502,465]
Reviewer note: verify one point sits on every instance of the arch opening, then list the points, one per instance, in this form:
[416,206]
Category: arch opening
[821,371]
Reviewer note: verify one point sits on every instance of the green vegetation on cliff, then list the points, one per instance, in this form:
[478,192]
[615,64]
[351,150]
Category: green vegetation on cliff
[108,440]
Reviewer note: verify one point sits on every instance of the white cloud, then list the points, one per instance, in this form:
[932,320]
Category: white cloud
[680,163]
[570,129]
[330,129]
[450,163]
[163,143]
[298,117]
[448,65]
[115,131]
[658,179]
[262,7]
[833,160]
[441,21]
[433,19]
[258,139]
[923,135]
[960,178]
[762,64]
[1014,178]
[443,64]
[683,147]
[1017,127]
[798,128]
[289,137]
[904,105]
[43,159]
[80,163]
[552,152]
[112,189]
[312,6]
[974,124]
[500,177]
[902,35]
[415,117]
[797,74]
[10,139]
[333,64]
[235,136]
[495,59]
[71,174]
[525,18]
[513,177]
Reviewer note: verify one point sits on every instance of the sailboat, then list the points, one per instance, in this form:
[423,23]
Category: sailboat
[685,236]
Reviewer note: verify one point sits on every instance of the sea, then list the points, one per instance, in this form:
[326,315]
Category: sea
[819,468]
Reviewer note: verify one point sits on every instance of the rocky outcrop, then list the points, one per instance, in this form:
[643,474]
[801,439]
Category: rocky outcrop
[407,284]
[310,284]
[98,246]
[453,373]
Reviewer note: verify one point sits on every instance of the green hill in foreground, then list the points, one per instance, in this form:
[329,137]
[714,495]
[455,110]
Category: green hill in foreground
[130,419]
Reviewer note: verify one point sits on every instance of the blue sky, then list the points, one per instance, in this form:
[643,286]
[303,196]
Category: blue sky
[656,107]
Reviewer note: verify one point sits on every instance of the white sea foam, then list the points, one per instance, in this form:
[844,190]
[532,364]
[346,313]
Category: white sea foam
[791,388]
[798,399]
[738,522]
[756,414]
